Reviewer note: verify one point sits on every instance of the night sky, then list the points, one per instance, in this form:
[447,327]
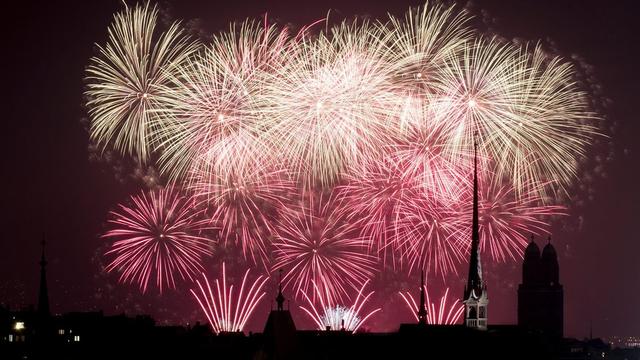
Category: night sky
[53,184]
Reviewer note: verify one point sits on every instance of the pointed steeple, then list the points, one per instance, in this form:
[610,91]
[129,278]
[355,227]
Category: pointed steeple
[475,292]
[43,295]
[474,280]
[280,298]
[422,312]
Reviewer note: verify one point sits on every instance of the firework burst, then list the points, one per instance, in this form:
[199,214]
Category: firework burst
[158,236]
[224,311]
[506,219]
[380,115]
[218,127]
[315,245]
[444,312]
[373,196]
[419,43]
[330,104]
[338,317]
[420,156]
[245,208]
[126,101]
[516,106]
[428,230]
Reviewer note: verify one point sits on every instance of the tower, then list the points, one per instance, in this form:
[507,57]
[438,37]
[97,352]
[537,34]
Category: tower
[475,292]
[43,295]
[541,296]
[280,341]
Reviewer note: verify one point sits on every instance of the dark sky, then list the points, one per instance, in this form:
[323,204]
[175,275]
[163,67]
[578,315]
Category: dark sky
[51,186]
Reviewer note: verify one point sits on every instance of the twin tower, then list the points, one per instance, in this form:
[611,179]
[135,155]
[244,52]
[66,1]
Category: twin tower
[540,296]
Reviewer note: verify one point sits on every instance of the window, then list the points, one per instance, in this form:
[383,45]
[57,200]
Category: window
[482,312]
[76,338]
[60,331]
[472,313]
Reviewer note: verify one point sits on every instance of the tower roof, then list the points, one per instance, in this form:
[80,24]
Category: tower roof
[549,252]
[532,251]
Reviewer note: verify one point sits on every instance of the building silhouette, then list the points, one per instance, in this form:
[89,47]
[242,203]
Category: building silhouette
[280,340]
[35,333]
[540,296]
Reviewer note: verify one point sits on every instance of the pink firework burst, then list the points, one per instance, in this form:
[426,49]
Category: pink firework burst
[335,316]
[373,196]
[427,231]
[224,311]
[422,155]
[444,312]
[245,208]
[157,236]
[506,218]
[413,176]
[315,244]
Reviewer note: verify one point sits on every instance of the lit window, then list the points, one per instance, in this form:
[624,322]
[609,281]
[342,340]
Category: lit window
[76,338]
[60,331]
[10,337]
[19,326]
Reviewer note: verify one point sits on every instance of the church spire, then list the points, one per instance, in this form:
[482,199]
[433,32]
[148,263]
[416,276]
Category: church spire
[474,280]
[475,292]
[280,298]
[422,312]
[43,296]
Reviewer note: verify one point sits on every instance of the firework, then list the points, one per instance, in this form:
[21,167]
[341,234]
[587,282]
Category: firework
[506,219]
[330,104]
[246,208]
[224,311]
[522,109]
[328,151]
[558,123]
[374,196]
[421,157]
[157,236]
[315,245]
[418,44]
[443,313]
[391,193]
[338,317]
[428,232]
[218,127]
[126,103]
